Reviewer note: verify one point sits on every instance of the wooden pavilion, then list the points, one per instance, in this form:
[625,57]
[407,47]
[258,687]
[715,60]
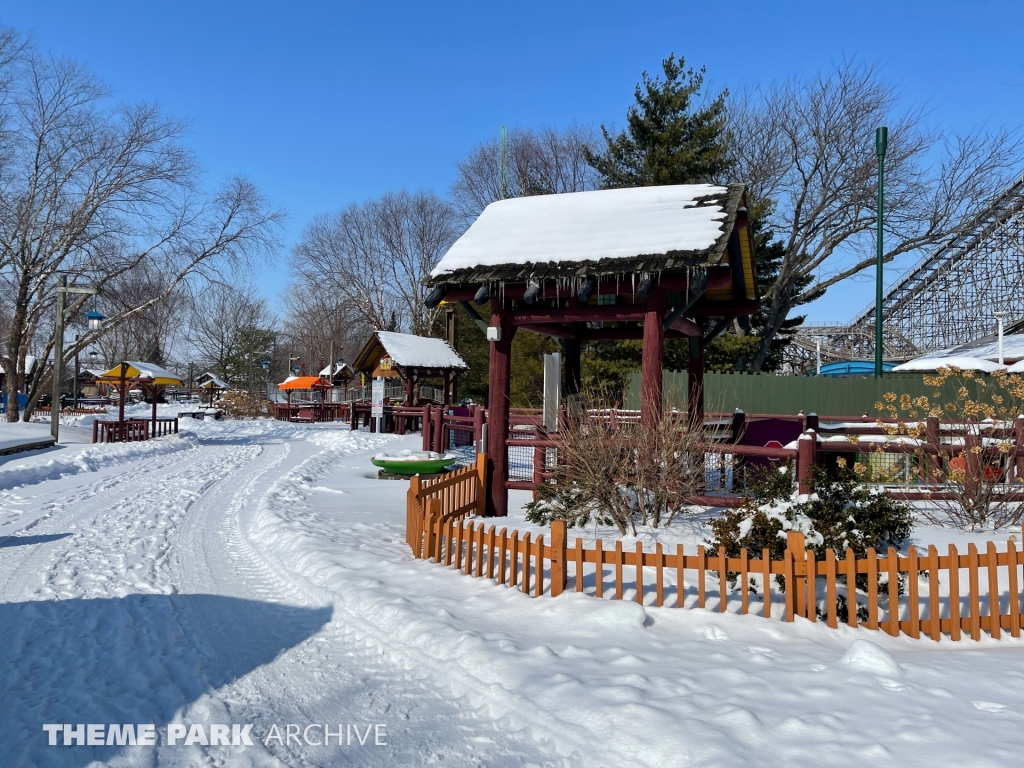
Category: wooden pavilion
[316,410]
[646,263]
[410,358]
[340,374]
[151,379]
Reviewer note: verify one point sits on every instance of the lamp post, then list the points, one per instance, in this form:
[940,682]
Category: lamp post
[95,324]
[999,317]
[881,141]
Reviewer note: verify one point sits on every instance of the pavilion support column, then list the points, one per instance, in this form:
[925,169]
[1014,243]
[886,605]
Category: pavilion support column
[499,380]
[410,386]
[695,384]
[651,363]
[120,406]
[571,348]
[447,397]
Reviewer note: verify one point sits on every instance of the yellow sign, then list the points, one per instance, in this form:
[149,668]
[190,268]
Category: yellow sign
[385,363]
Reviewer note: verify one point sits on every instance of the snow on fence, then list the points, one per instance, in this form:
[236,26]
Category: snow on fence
[964,593]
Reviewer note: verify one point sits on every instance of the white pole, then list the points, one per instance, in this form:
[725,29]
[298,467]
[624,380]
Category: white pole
[999,318]
[817,352]
[1001,341]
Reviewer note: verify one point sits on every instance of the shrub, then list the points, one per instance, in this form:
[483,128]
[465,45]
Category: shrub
[243,405]
[622,474]
[974,483]
[841,513]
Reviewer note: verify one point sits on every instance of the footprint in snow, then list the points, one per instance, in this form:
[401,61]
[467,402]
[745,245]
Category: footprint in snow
[988,706]
[714,633]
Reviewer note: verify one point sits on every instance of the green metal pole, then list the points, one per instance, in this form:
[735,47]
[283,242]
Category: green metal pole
[881,140]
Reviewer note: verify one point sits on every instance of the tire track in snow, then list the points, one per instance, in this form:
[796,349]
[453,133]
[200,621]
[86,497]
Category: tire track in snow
[479,738]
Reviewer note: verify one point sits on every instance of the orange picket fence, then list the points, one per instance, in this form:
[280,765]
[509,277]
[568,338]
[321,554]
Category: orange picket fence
[818,590]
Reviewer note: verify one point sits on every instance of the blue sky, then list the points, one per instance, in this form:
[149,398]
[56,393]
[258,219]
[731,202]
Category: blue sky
[326,103]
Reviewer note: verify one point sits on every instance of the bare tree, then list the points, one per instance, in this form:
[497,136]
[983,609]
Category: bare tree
[537,162]
[232,331]
[373,257]
[320,326]
[807,148]
[148,334]
[96,191]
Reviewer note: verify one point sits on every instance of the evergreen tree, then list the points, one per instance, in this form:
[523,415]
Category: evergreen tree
[667,139]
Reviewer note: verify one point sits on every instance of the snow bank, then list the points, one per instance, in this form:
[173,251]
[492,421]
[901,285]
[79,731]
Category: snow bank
[91,459]
[600,682]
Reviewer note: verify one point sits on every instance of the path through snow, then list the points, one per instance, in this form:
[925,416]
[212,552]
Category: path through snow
[257,573]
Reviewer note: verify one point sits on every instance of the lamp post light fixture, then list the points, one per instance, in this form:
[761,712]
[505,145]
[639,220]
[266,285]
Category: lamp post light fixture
[95,324]
[95,320]
[999,317]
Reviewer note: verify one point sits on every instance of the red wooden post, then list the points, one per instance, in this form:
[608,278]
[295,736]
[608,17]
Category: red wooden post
[653,354]
[439,445]
[409,385]
[426,428]
[811,421]
[499,378]
[446,398]
[806,447]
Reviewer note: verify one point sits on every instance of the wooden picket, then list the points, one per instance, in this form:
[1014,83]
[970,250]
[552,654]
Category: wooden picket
[439,527]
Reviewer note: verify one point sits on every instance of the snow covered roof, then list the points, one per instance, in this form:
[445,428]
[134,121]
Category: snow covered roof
[213,381]
[985,349]
[962,362]
[138,370]
[408,351]
[338,368]
[611,230]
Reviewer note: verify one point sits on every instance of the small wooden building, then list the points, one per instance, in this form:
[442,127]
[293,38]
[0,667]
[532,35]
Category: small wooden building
[647,263]
[410,358]
[340,375]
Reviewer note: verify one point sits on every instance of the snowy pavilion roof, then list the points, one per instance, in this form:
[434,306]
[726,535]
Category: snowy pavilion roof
[343,370]
[408,351]
[147,371]
[610,231]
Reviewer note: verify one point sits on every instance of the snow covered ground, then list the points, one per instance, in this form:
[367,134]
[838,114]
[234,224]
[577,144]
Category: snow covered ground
[255,573]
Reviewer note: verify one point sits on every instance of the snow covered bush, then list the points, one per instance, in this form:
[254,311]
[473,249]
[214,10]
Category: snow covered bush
[622,474]
[840,513]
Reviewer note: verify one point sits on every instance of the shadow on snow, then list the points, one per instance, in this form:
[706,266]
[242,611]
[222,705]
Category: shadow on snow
[135,659]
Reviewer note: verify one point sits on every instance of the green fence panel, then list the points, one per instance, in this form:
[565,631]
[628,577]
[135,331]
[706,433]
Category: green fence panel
[769,393]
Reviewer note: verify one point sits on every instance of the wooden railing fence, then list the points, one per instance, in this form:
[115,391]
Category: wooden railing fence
[990,601]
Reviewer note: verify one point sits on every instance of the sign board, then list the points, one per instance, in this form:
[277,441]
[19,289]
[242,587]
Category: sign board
[552,390]
[377,399]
